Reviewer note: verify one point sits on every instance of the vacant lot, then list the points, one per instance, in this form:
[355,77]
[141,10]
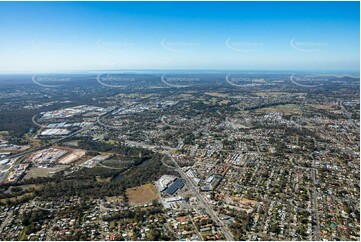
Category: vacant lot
[324,107]
[142,194]
[225,101]
[73,156]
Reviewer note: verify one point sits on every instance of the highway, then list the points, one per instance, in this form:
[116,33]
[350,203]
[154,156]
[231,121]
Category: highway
[54,141]
[47,145]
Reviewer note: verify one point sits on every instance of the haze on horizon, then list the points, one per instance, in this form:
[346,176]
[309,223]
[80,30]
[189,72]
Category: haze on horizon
[75,36]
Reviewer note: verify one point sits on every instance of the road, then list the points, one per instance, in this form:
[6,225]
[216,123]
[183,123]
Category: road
[195,227]
[165,164]
[165,123]
[47,145]
[7,220]
[41,208]
[44,146]
[104,116]
[314,197]
[36,123]
[203,202]
[189,183]
[314,205]
[101,221]
[348,116]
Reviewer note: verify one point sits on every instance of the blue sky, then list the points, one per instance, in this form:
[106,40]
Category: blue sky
[75,36]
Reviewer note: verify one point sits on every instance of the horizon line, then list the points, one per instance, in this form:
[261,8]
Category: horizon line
[104,71]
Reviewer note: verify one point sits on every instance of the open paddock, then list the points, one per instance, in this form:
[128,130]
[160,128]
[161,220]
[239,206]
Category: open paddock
[143,194]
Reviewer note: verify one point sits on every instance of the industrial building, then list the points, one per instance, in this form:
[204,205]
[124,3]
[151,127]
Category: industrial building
[172,188]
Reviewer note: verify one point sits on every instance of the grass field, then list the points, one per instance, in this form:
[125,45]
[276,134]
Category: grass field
[13,199]
[31,186]
[114,199]
[289,109]
[35,172]
[324,107]
[142,194]
[216,94]
[270,94]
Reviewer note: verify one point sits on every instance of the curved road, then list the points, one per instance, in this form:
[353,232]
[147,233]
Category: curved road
[348,116]
[36,123]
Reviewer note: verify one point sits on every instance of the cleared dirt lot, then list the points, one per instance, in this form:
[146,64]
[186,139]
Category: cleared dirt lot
[142,194]
[71,157]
